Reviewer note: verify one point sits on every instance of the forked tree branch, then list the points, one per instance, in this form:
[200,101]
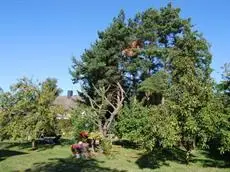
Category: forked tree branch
[98,108]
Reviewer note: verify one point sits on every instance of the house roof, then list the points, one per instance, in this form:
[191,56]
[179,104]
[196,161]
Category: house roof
[67,102]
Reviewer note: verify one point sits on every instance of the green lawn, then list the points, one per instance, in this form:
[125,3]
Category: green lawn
[19,157]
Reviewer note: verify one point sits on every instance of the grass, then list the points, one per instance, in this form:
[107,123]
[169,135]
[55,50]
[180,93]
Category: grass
[19,157]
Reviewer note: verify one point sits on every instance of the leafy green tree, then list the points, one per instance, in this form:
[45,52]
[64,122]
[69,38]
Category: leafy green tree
[28,110]
[224,86]
[191,87]
[220,112]
[215,130]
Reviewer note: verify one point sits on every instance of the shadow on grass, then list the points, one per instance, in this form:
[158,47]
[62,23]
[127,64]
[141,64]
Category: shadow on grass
[8,153]
[62,142]
[126,144]
[71,165]
[28,145]
[213,159]
[12,144]
[25,146]
[159,157]
[7,147]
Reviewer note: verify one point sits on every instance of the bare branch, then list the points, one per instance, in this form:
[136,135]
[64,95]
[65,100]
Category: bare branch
[92,102]
[120,99]
[107,100]
[100,110]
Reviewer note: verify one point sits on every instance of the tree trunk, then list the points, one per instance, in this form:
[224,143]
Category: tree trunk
[93,145]
[188,152]
[188,145]
[100,127]
[162,100]
[105,132]
[194,142]
[33,144]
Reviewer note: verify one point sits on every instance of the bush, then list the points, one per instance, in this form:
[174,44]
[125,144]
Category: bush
[106,145]
[150,126]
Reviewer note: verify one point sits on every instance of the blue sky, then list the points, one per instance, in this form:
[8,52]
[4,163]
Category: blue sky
[39,37]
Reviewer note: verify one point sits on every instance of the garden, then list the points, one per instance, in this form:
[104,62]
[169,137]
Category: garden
[147,103]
